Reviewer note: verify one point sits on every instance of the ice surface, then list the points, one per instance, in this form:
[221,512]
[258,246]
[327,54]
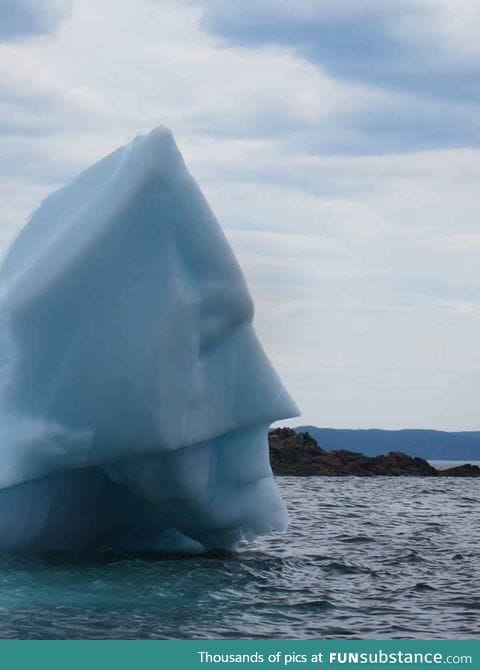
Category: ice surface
[135,398]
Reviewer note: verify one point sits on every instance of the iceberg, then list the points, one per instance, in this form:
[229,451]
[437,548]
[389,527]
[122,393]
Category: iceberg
[135,397]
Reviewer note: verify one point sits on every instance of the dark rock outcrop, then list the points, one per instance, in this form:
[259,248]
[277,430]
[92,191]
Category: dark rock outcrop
[465,470]
[299,454]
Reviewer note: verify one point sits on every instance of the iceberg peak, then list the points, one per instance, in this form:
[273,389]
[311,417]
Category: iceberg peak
[154,153]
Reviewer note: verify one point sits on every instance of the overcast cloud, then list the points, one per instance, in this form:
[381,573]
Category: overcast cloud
[338,144]
[20,18]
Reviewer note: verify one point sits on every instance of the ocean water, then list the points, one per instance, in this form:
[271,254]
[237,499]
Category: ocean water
[363,558]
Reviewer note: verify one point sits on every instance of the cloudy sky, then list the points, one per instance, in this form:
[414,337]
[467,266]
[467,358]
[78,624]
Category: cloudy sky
[338,144]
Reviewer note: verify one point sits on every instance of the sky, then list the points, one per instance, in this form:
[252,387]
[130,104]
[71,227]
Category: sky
[338,143]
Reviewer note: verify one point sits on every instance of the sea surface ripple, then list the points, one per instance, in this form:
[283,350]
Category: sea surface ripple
[363,558]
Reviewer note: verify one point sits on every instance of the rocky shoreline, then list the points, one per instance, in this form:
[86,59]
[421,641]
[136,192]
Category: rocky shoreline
[298,454]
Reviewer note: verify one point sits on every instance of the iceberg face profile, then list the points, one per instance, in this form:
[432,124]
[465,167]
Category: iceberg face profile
[135,398]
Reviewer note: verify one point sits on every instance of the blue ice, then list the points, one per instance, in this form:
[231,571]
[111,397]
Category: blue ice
[135,397]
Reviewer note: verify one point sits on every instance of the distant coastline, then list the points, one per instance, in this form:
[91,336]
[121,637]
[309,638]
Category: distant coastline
[432,445]
[297,453]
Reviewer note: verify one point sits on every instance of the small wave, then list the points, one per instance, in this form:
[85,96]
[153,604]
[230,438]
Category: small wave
[423,586]
[355,538]
[348,569]
[466,604]
[410,557]
[313,604]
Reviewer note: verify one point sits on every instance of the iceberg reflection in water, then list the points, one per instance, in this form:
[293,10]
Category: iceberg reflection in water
[135,396]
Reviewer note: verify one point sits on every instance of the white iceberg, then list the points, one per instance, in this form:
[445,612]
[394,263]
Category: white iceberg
[135,398]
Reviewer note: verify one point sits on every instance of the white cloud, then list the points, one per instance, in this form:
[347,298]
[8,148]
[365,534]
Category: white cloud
[451,26]
[34,98]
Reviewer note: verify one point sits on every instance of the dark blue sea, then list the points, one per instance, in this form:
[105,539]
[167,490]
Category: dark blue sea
[363,558]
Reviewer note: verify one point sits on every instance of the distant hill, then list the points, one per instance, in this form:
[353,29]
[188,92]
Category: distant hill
[433,445]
